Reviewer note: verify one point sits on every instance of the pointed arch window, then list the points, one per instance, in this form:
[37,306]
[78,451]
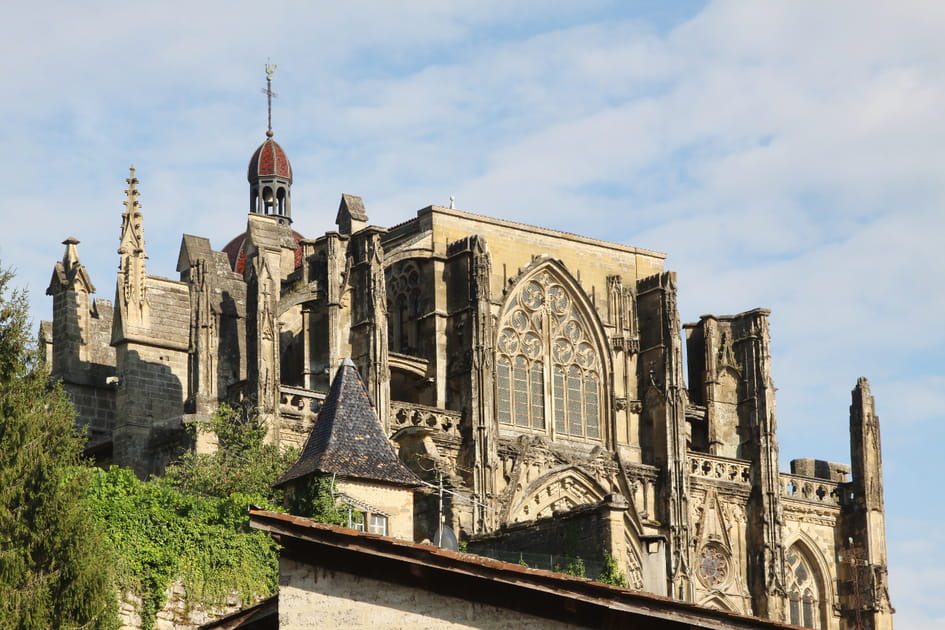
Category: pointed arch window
[803,593]
[547,368]
[404,306]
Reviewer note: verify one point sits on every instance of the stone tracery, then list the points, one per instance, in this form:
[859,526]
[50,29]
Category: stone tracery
[802,590]
[403,305]
[547,364]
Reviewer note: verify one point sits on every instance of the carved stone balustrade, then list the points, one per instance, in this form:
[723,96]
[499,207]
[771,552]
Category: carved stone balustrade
[404,414]
[298,402]
[719,468]
[811,489]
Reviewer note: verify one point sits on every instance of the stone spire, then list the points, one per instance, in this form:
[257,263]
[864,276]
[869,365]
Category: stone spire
[870,607]
[132,298]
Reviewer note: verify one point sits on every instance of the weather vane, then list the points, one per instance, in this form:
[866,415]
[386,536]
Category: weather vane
[270,70]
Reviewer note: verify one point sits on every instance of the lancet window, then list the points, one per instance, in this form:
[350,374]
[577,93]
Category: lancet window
[403,306]
[548,371]
[803,593]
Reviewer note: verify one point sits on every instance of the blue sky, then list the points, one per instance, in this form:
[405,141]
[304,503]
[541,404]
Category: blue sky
[784,154]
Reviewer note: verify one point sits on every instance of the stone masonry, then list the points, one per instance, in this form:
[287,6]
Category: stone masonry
[532,374]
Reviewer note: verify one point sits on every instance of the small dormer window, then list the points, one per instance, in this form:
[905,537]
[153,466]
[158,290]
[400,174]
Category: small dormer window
[365,520]
[377,524]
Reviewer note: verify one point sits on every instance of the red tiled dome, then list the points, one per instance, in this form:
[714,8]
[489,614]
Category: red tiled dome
[235,250]
[269,159]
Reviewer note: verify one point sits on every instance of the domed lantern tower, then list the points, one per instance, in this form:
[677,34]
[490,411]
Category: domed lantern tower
[269,173]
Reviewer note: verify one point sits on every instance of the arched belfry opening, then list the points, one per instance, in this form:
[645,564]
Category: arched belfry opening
[270,182]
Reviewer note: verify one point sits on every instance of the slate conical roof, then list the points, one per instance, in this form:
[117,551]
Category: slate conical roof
[348,439]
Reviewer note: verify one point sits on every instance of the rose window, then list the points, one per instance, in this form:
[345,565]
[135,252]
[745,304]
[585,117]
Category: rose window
[713,566]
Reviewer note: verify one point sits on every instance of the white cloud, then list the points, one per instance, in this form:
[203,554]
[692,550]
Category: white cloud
[784,154]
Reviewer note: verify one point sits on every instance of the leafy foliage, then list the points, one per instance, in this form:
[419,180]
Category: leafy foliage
[611,573]
[55,570]
[242,463]
[162,534]
[71,536]
[192,525]
[315,500]
[573,566]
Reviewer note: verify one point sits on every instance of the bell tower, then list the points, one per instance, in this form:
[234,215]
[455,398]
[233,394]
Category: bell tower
[269,173]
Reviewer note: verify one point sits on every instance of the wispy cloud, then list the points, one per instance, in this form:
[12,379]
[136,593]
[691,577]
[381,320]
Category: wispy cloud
[784,154]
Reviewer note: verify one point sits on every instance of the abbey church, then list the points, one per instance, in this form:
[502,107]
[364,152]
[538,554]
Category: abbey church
[534,379]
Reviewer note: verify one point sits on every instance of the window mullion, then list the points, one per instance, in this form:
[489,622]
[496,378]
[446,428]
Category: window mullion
[547,368]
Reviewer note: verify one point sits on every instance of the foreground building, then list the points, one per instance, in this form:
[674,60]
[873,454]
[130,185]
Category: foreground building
[331,577]
[534,377]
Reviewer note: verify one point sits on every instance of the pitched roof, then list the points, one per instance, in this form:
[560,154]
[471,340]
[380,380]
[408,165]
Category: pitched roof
[570,600]
[348,439]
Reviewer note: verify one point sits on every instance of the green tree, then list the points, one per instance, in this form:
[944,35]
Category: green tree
[192,524]
[55,568]
[245,465]
[242,463]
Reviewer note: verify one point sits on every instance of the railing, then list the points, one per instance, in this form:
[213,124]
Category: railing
[404,414]
[295,401]
[721,468]
[820,491]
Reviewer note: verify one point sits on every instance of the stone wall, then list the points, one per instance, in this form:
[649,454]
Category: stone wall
[149,404]
[311,597]
[177,613]
[551,543]
[95,407]
[394,502]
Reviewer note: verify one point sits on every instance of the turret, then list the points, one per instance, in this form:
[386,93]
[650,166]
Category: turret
[867,603]
[70,287]
[270,173]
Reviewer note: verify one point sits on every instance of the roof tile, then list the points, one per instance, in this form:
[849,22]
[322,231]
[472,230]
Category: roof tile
[348,439]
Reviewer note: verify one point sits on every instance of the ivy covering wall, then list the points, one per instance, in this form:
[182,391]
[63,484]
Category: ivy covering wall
[192,525]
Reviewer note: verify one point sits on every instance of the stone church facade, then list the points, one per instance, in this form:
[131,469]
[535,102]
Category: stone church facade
[536,376]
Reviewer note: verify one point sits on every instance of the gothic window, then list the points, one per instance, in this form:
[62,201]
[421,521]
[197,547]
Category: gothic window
[403,306]
[547,369]
[802,590]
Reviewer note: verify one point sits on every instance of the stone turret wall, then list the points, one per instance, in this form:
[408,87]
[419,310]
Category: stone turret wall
[84,360]
[152,370]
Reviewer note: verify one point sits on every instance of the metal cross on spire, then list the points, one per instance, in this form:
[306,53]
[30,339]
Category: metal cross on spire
[270,69]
